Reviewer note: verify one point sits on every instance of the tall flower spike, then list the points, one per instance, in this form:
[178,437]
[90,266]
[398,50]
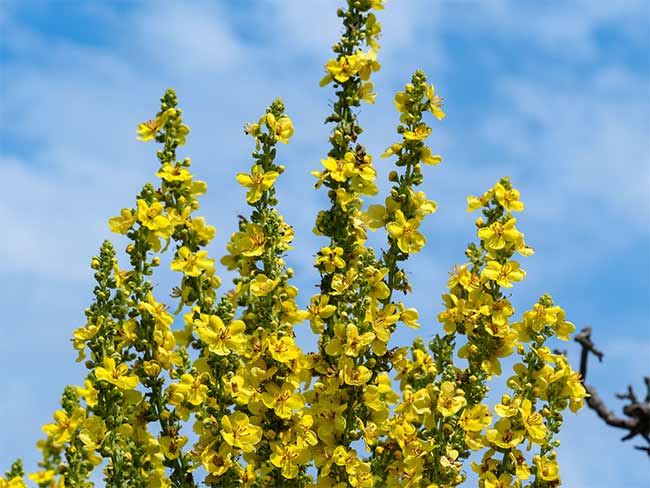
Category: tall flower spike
[351,280]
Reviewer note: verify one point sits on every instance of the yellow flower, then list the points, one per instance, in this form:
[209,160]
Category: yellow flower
[222,339]
[236,387]
[41,477]
[61,431]
[498,235]
[491,481]
[261,286]
[375,217]
[533,422]
[192,389]
[504,436]
[392,149]
[342,282]
[171,173]
[238,431]
[287,457]
[428,158]
[423,206]
[16,482]
[435,102]
[414,403]
[361,476]
[366,94]
[251,242]
[547,469]
[503,274]
[283,349]
[171,446]
[420,133]
[450,399]
[152,218]
[373,28]
[157,310]
[89,393]
[405,232]
[341,69]
[93,432]
[205,233]
[410,317]
[474,203]
[282,128]
[217,463]
[123,223]
[563,329]
[148,130]
[476,418]
[401,101]
[354,376]
[192,264]
[121,276]
[303,427]
[521,466]
[318,310]
[382,320]
[375,279]
[351,343]
[508,199]
[344,198]
[283,400]
[116,375]
[330,259]
[508,407]
[252,129]
[339,169]
[257,182]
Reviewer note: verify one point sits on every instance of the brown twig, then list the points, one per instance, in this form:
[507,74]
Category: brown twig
[637,412]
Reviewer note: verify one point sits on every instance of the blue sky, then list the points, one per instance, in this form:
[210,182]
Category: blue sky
[553,94]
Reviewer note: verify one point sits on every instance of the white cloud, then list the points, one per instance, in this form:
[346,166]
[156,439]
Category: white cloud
[578,149]
[568,31]
[193,37]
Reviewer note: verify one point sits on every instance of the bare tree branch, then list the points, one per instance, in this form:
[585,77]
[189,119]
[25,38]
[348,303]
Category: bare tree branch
[637,420]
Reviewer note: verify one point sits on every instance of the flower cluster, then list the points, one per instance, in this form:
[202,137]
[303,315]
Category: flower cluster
[227,397]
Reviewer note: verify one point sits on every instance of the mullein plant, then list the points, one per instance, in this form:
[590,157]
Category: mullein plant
[229,399]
